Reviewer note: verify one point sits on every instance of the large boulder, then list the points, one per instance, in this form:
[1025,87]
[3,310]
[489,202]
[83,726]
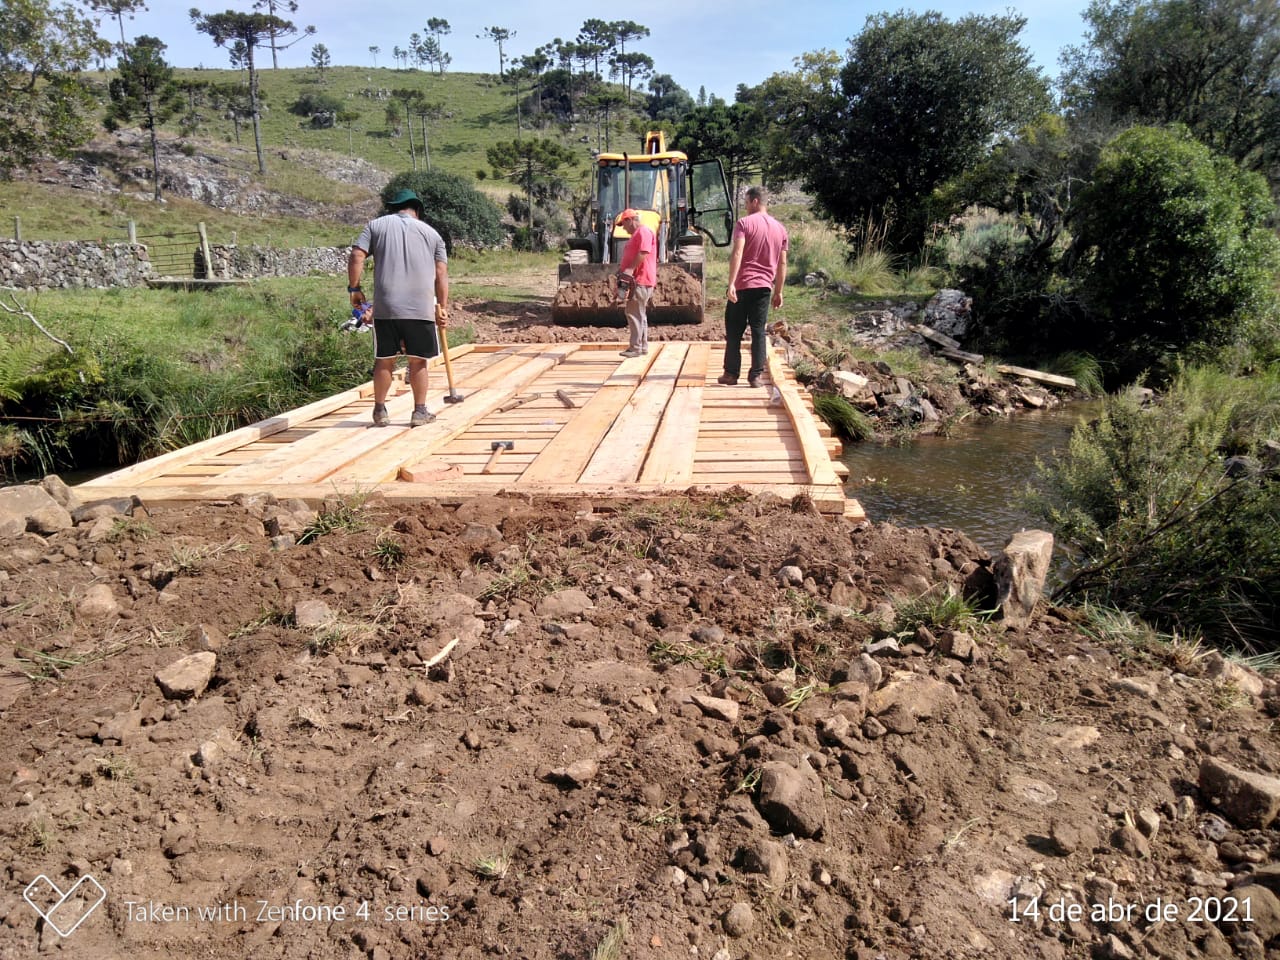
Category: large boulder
[1249,800]
[949,312]
[29,507]
[1020,572]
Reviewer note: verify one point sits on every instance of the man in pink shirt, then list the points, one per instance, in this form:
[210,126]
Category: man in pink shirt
[757,271]
[639,261]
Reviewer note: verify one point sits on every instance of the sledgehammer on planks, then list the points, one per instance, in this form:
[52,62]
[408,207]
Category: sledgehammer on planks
[499,447]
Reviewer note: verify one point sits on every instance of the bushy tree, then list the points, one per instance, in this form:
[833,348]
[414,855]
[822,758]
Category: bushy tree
[723,132]
[1172,247]
[44,100]
[792,109]
[453,205]
[528,163]
[1007,237]
[667,99]
[921,98]
[1212,65]
[321,109]
[1165,529]
[144,90]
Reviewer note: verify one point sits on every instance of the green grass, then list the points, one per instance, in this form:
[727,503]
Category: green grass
[843,416]
[154,370]
[347,514]
[937,610]
[53,212]
[480,112]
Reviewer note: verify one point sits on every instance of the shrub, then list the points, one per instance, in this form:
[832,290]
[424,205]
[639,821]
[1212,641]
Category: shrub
[1165,529]
[1172,248]
[321,108]
[453,206]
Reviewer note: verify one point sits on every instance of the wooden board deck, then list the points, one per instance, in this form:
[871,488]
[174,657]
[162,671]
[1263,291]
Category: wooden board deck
[650,426]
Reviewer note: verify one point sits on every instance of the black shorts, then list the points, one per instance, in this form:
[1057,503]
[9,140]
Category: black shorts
[413,338]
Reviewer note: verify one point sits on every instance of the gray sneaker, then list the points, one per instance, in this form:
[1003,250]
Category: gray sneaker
[380,416]
[420,416]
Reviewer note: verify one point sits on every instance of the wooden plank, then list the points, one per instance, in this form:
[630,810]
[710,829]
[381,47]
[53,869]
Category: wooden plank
[274,465]
[157,466]
[470,444]
[743,475]
[749,456]
[951,347]
[671,456]
[806,431]
[786,443]
[1052,379]
[565,457]
[320,456]
[694,371]
[315,493]
[459,419]
[621,453]
[670,435]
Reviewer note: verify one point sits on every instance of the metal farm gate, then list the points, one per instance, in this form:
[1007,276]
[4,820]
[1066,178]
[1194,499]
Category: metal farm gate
[179,255]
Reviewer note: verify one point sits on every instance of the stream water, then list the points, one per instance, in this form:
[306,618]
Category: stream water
[970,481]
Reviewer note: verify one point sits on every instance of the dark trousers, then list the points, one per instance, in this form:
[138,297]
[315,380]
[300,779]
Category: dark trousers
[751,310]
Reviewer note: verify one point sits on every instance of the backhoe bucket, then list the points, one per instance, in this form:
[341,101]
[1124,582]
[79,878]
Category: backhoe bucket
[587,295]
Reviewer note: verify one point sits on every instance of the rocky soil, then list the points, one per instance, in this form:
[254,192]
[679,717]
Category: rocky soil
[721,728]
[224,176]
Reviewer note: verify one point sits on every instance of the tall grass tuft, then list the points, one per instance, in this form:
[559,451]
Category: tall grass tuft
[871,272]
[1083,368]
[843,416]
[815,247]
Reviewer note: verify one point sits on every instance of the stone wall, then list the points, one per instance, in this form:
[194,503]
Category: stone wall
[50,264]
[47,265]
[235,262]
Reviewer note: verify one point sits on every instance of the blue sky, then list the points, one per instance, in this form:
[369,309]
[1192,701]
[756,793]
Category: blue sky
[713,43]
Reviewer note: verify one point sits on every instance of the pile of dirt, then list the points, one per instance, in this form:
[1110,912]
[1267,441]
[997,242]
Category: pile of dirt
[677,295]
[704,728]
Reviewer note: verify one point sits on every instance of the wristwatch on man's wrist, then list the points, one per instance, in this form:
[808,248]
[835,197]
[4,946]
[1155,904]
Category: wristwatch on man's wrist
[355,289]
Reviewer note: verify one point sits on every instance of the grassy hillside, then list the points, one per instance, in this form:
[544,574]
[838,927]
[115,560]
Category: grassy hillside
[478,111]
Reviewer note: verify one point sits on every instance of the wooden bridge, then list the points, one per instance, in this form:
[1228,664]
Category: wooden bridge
[554,419]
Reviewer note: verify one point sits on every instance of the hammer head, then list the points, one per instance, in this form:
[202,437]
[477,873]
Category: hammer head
[453,397]
[502,445]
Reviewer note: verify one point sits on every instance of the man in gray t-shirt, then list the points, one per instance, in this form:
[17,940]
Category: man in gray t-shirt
[410,288]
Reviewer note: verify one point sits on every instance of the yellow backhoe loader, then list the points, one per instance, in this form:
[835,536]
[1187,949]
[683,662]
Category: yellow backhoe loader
[683,203]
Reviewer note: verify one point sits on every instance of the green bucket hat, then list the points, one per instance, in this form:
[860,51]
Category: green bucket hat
[405,198]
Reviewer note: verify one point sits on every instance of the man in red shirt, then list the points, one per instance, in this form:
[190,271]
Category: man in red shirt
[757,270]
[639,260]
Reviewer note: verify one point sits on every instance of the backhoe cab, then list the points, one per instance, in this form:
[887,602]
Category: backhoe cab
[683,203]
